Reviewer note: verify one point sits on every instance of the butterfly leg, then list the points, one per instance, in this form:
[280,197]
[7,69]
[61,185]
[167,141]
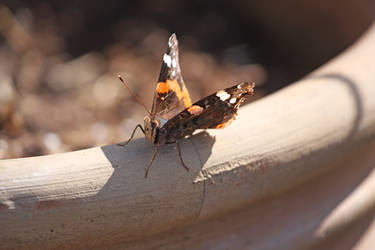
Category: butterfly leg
[152,160]
[132,135]
[180,155]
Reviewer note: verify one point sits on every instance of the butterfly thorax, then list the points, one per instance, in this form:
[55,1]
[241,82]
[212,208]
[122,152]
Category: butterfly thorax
[152,127]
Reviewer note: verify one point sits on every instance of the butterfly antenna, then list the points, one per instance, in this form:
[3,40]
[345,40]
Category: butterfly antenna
[131,92]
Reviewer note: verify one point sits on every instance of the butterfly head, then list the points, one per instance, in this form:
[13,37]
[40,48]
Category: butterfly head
[151,126]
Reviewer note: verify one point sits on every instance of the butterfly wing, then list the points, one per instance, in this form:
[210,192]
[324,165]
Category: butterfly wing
[171,96]
[215,111]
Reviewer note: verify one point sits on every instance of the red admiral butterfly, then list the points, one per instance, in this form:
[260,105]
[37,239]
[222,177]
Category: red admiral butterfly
[173,117]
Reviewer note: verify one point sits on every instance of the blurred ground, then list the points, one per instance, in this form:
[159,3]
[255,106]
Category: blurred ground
[59,61]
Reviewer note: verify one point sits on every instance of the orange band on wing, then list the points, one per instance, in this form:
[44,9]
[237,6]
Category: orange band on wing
[163,87]
[186,97]
[195,110]
[172,85]
[224,124]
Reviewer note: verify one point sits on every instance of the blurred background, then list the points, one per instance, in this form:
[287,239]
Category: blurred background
[59,59]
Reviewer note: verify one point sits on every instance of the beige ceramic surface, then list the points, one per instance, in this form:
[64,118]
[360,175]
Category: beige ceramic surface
[295,170]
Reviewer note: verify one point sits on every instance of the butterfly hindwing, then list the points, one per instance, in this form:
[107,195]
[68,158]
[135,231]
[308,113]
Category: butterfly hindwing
[215,111]
[171,96]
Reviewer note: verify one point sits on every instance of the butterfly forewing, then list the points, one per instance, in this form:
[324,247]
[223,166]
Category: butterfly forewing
[171,96]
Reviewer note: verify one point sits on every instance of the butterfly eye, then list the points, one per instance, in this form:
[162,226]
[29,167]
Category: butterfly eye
[155,124]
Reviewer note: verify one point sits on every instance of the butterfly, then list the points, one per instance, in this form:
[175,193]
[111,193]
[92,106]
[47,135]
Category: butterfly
[174,117]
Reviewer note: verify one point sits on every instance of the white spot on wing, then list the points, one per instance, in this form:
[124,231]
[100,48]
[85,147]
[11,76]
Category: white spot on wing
[223,95]
[174,62]
[167,60]
[233,100]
